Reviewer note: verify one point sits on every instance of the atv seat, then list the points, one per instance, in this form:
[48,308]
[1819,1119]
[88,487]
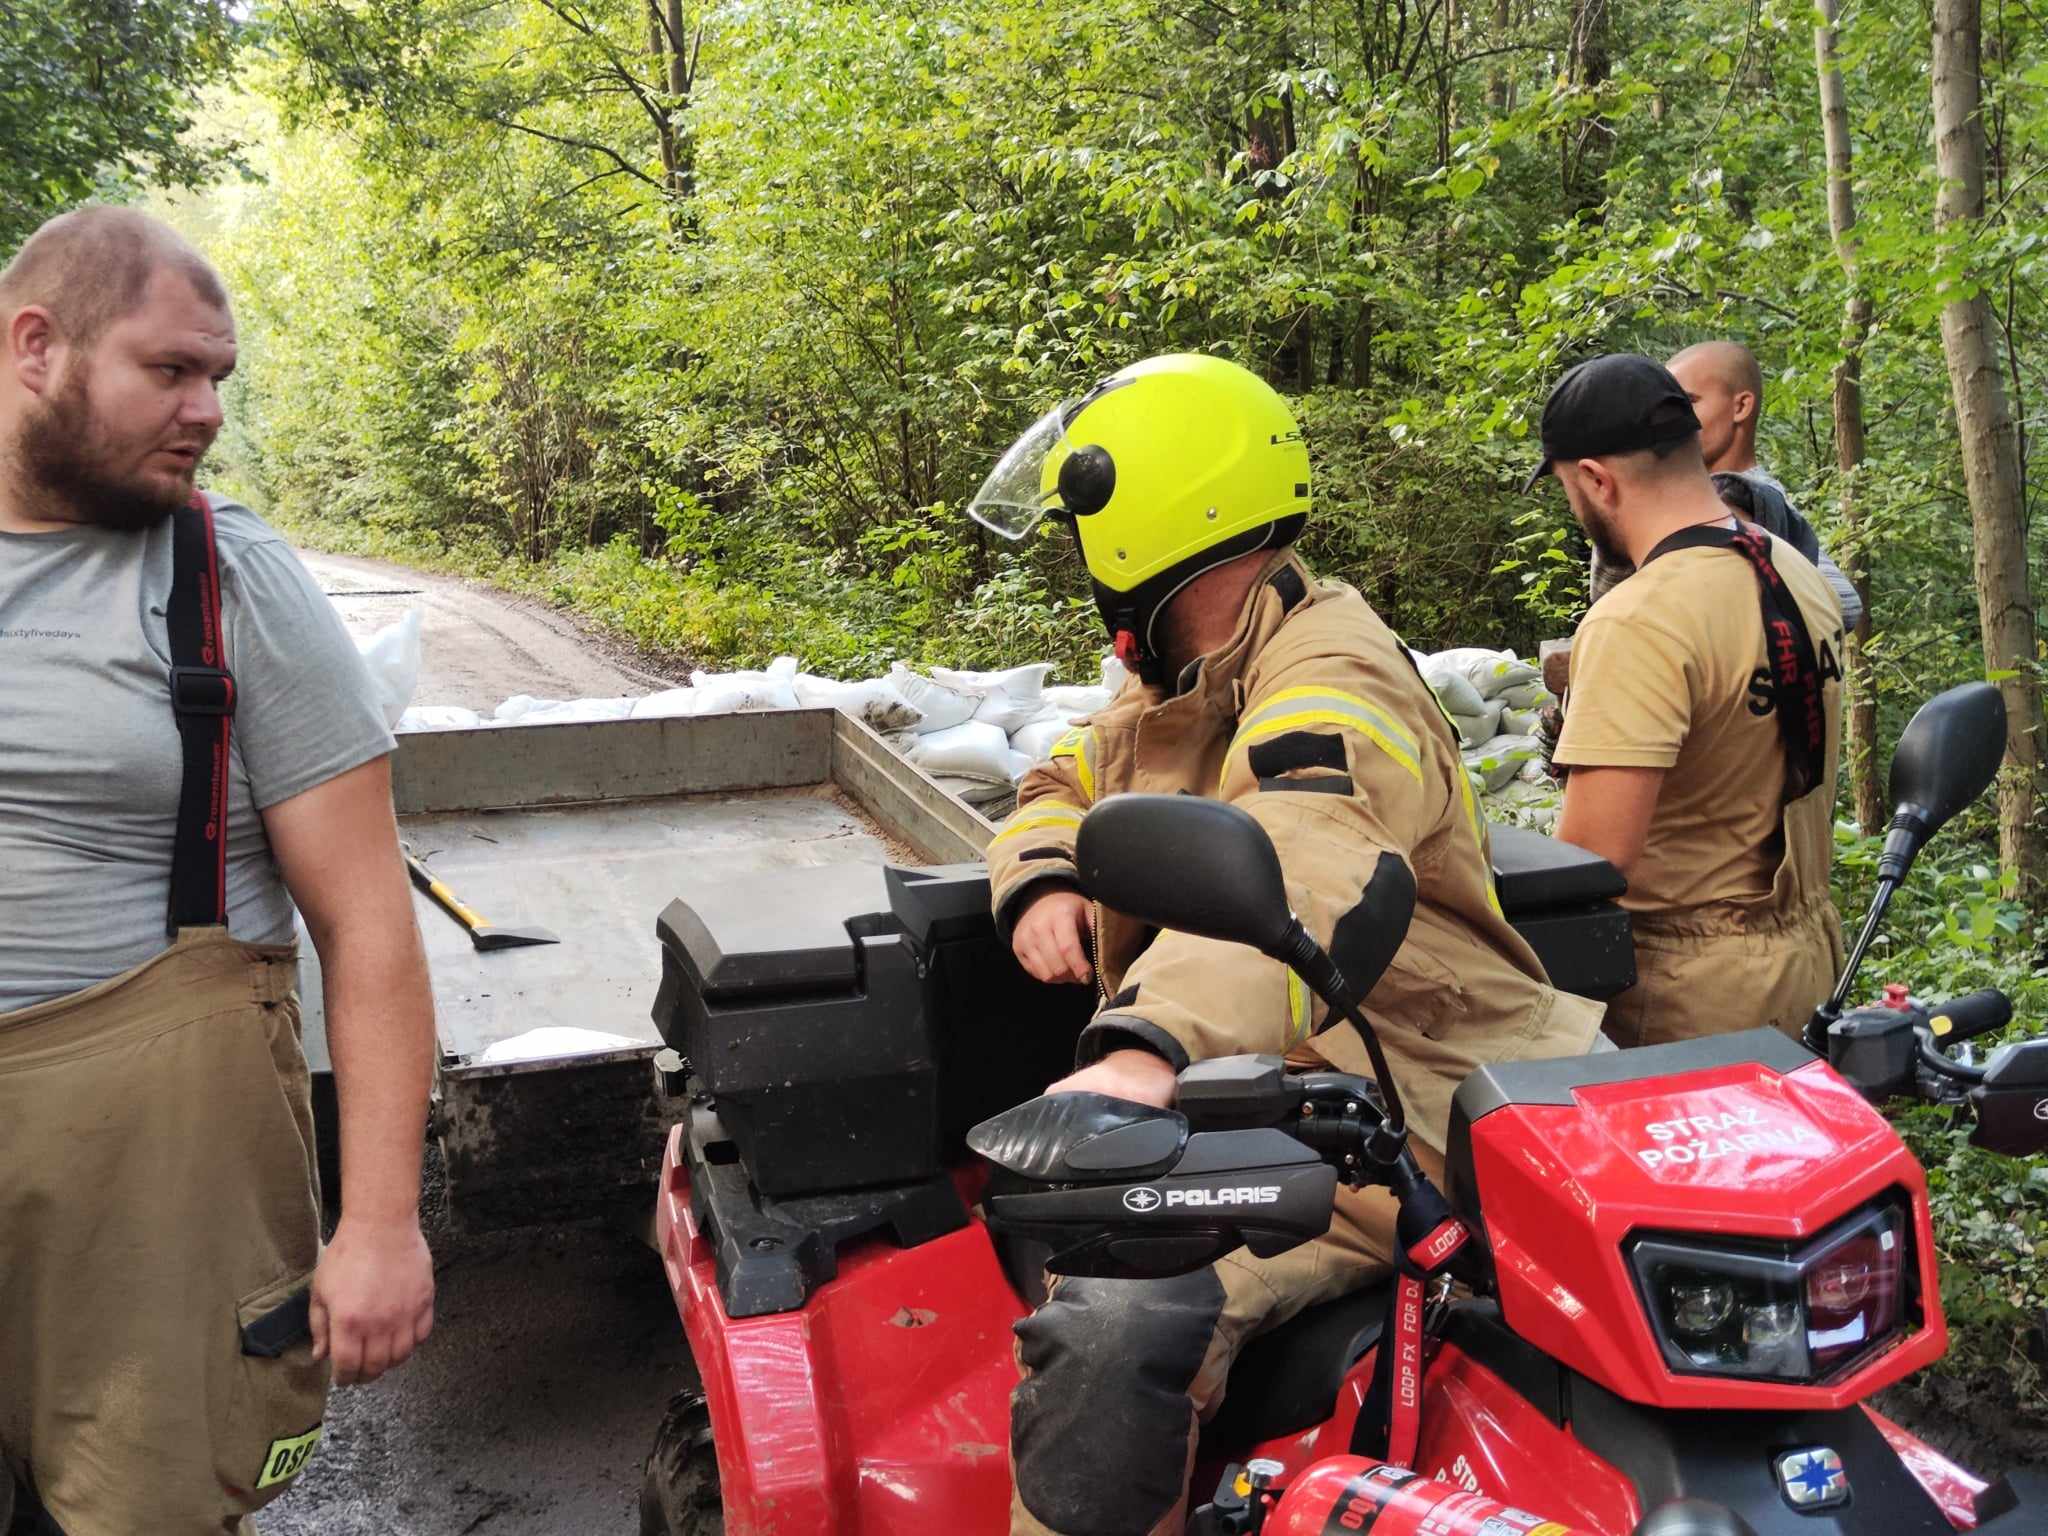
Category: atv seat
[1534,873]
[1286,1380]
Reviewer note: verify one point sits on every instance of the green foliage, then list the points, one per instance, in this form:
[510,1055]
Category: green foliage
[1951,932]
[98,97]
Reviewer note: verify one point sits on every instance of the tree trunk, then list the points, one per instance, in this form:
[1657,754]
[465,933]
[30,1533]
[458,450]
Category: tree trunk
[657,43]
[1500,86]
[2005,604]
[684,177]
[1856,672]
[1584,149]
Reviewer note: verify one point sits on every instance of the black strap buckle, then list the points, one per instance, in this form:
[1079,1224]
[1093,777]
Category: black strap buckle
[202,691]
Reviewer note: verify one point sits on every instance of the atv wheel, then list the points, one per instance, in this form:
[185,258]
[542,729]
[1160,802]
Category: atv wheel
[680,1494]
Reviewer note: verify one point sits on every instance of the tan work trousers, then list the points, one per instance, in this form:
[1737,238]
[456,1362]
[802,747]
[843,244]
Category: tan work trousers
[157,1197]
[1722,969]
[1119,1375]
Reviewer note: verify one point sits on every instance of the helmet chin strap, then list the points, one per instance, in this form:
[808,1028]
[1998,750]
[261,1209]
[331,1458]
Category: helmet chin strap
[1131,650]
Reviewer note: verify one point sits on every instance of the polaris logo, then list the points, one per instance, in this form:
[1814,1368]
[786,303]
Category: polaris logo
[1144,1200]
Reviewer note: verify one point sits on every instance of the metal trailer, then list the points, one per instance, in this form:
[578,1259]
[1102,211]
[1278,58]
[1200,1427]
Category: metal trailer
[590,830]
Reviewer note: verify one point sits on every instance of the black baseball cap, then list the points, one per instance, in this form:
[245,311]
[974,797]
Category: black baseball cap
[1614,404]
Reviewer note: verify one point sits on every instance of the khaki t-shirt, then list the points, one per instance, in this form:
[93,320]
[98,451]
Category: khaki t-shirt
[1669,671]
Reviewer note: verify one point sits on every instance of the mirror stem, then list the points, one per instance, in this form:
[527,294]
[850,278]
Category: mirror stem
[1902,843]
[1300,952]
[1886,884]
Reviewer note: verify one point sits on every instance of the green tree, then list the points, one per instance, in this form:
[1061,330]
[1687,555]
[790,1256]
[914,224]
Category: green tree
[99,95]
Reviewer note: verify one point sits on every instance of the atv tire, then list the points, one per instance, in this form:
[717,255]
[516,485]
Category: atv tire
[680,1496]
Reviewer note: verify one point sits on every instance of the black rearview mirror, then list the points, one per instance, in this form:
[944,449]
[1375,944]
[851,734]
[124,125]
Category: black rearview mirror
[1949,753]
[1176,861]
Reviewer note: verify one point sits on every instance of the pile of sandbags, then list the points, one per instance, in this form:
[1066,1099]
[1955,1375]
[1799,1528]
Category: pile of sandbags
[1493,699]
[970,728]
[979,733]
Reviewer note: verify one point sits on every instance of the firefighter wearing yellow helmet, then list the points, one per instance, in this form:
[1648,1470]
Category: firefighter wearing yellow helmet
[1172,467]
[1186,481]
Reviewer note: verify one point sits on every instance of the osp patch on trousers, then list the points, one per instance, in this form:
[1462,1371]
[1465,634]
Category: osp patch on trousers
[159,1226]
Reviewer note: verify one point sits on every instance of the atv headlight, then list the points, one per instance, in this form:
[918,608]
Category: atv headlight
[1776,1311]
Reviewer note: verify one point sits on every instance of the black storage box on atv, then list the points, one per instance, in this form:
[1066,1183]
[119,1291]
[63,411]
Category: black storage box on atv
[851,1022]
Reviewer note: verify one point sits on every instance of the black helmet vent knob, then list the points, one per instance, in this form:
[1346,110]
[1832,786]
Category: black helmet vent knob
[1087,480]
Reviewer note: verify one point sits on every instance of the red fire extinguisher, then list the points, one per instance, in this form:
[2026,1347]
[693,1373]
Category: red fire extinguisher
[1356,1494]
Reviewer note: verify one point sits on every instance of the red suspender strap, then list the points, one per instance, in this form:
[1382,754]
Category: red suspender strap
[203,701]
[1794,668]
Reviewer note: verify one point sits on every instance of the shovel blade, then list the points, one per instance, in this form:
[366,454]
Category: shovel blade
[510,938]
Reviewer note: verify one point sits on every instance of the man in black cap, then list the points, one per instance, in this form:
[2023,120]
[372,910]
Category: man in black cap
[1704,719]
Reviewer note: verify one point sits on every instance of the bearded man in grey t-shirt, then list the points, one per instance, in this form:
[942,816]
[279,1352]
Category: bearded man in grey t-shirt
[168,1316]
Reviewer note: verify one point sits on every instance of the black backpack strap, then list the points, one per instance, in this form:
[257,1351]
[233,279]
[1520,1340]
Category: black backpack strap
[1794,667]
[203,700]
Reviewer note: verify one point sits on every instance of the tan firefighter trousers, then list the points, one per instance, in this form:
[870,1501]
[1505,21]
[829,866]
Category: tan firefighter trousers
[1118,1375]
[157,1198]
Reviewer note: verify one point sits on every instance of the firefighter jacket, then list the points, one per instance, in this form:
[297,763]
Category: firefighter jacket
[1313,718]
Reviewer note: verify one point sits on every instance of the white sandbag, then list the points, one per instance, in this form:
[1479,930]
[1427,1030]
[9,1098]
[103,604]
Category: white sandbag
[874,702]
[1114,674]
[1454,692]
[1020,764]
[1488,671]
[556,1040]
[1073,700]
[392,656]
[1525,695]
[437,717]
[1018,682]
[1496,762]
[1007,699]
[1518,722]
[519,706]
[1036,740]
[942,707]
[726,693]
[666,705]
[1480,727]
[580,711]
[974,749]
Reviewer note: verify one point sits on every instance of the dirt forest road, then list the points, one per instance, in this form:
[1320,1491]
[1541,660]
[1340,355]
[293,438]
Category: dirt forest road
[479,646]
[554,1349]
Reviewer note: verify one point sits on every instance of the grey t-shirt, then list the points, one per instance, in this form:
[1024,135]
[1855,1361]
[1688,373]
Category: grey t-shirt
[90,767]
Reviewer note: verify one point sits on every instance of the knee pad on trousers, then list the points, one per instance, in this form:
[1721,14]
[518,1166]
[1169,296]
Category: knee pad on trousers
[1099,1427]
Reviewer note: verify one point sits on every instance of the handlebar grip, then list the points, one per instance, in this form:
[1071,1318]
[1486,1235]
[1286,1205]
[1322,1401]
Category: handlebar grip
[1965,1018]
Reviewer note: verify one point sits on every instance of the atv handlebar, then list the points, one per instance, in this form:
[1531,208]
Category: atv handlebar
[1965,1018]
[1900,1049]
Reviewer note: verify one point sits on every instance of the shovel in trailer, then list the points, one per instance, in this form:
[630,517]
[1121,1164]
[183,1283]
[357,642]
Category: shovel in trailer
[482,934]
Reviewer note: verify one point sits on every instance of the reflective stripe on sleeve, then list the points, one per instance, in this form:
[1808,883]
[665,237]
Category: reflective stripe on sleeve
[1079,744]
[1039,813]
[1479,838]
[1297,1010]
[1294,708]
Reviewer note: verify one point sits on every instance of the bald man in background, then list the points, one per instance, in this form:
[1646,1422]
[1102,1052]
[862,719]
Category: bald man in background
[1727,391]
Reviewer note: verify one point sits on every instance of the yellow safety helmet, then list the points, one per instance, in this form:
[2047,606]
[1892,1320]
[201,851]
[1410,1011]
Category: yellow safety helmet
[1167,469]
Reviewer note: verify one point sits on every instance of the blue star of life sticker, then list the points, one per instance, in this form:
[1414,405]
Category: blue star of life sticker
[1813,1479]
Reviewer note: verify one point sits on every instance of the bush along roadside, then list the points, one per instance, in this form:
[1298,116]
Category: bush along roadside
[1950,931]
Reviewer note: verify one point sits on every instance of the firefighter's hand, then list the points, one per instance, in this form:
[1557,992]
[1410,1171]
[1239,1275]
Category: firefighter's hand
[1133,1074]
[373,1298]
[1052,938]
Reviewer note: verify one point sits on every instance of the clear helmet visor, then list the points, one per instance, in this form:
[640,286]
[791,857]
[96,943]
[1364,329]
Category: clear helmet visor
[1016,494]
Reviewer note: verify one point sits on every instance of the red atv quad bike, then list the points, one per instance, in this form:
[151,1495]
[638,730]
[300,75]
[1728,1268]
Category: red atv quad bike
[1653,1298]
